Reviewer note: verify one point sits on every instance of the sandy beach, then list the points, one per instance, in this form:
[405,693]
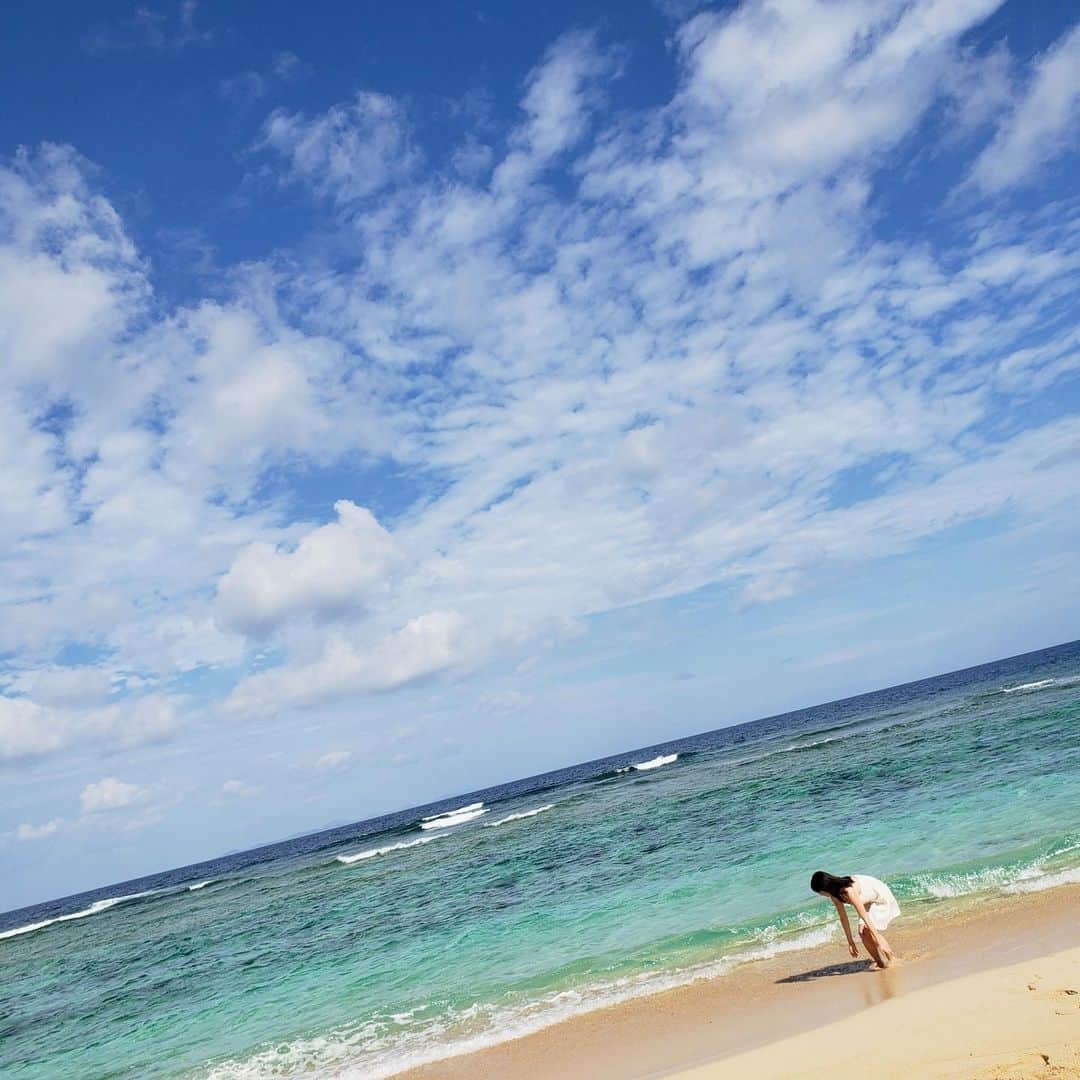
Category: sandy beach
[987,989]
[1016,1021]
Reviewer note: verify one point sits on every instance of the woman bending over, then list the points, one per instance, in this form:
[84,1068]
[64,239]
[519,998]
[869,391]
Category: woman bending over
[874,903]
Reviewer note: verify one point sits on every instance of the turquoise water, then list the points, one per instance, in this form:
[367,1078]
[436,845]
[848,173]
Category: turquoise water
[552,895]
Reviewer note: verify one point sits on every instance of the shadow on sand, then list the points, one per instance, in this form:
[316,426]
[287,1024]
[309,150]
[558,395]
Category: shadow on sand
[850,968]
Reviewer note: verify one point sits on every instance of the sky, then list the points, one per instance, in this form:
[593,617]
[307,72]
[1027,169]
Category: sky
[400,399]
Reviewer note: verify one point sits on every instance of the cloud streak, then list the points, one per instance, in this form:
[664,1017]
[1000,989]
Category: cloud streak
[1042,124]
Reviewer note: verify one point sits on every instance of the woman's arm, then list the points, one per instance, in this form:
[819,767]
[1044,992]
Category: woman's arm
[857,904]
[852,947]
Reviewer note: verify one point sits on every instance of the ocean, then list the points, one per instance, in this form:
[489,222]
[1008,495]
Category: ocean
[364,949]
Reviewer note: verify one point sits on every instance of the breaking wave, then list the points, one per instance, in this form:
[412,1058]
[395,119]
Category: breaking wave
[360,856]
[451,813]
[1042,684]
[519,816]
[653,763]
[455,817]
[1033,873]
[94,909]
[388,1045]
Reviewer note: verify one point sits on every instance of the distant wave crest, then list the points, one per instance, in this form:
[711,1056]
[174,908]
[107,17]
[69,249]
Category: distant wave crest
[1041,684]
[94,909]
[451,813]
[454,817]
[654,763]
[519,816]
[360,856]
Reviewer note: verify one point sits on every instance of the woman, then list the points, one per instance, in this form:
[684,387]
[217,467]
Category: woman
[875,904]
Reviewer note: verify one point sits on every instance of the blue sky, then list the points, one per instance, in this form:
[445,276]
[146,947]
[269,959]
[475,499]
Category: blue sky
[404,398]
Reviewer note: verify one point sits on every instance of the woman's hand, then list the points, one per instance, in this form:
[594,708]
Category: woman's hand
[851,948]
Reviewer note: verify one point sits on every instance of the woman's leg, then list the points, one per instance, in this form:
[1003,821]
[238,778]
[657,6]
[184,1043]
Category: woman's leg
[870,944]
[885,948]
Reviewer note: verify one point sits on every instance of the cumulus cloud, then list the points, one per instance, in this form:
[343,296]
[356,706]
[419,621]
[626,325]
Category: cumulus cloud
[39,832]
[111,794]
[65,686]
[423,646]
[333,759]
[1043,123]
[333,570]
[29,729]
[100,804]
[69,276]
[350,152]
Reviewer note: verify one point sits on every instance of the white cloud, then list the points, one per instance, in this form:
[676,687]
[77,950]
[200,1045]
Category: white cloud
[1042,125]
[111,794]
[335,569]
[97,803]
[350,152]
[333,759]
[425,645]
[39,832]
[69,276]
[286,64]
[559,94]
[801,89]
[28,729]
[66,687]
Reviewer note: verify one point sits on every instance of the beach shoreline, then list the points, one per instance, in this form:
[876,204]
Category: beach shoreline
[765,1007]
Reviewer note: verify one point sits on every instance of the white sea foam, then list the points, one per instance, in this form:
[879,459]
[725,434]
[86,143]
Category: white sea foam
[1039,882]
[1059,682]
[1041,684]
[370,854]
[458,817]
[201,885]
[950,886]
[452,813]
[656,762]
[519,816]
[811,745]
[380,1049]
[1031,877]
[96,907]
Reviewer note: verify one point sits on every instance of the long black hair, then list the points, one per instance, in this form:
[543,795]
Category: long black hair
[827,883]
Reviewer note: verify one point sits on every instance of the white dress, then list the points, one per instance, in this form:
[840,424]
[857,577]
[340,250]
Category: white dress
[878,900]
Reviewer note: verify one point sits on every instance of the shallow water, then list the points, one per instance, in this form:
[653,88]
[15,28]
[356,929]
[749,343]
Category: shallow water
[360,950]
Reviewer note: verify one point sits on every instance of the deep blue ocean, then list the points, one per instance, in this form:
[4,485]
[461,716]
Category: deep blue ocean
[358,951]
